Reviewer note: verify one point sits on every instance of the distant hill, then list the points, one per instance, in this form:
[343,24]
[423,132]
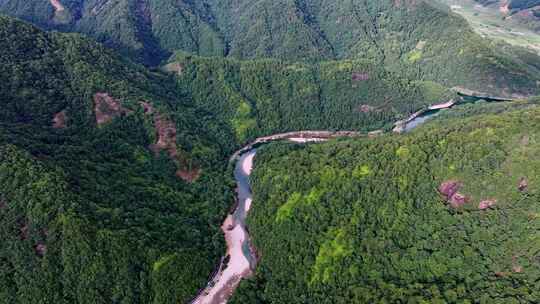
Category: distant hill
[512,5]
[502,21]
[526,12]
[418,39]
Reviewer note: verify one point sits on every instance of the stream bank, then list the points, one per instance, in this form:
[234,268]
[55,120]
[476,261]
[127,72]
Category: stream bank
[241,258]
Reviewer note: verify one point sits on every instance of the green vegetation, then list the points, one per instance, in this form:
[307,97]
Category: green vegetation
[114,177]
[419,40]
[519,27]
[90,214]
[379,231]
[262,97]
[114,209]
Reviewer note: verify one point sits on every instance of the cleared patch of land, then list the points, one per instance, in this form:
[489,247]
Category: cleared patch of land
[491,23]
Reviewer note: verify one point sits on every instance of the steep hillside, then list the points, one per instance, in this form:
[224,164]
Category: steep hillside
[112,187]
[446,214]
[413,38]
[495,20]
[418,39]
[145,30]
[511,6]
[114,173]
[262,97]
[525,12]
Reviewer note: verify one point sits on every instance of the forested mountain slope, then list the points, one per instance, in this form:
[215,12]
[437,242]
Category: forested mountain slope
[446,214]
[113,177]
[419,39]
[526,12]
[112,187]
[262,97]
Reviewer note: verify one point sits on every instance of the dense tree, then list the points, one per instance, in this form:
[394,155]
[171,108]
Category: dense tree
[90,213]
[364,221]
[418,39]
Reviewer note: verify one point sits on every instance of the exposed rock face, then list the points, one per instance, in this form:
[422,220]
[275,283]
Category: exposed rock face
[523,184]
[107,108]
[358,76]
[59,120]
[486,204]
[174,67]
[41,249]
[366,108]
[58,7]
[449,190]
[189,175]
[166,141]
[457,200]
[166,132]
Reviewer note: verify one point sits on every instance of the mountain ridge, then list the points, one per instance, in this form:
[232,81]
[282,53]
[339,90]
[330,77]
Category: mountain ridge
[418,39]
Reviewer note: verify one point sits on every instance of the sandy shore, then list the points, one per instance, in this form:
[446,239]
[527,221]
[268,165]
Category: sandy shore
[237,238]
[305,140]
[58,7]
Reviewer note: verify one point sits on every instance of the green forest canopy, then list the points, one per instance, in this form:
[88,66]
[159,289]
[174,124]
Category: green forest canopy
[113,177]
[418,39]
[364,221]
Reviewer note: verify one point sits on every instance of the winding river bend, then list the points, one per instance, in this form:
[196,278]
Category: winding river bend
[241,257]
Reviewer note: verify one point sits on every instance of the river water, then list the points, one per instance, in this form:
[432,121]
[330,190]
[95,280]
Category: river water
[420,120]
[241,257]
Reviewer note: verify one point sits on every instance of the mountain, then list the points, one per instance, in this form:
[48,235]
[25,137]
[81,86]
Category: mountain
[417,39]
[526,12]
[261,97]
[512,6]
[112,185]
[514,22]
[445,214]
[112,172]
[119,118]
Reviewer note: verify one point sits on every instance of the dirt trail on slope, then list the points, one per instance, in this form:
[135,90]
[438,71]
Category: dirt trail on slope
[241,261]
[58,7]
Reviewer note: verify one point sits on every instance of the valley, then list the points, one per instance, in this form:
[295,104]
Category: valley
[490,21]
[241,257]
[267,152]
[291,211]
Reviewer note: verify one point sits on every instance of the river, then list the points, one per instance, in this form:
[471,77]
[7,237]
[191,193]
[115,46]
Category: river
[241,257]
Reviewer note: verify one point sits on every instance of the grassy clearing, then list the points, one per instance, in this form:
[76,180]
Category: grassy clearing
[489,22]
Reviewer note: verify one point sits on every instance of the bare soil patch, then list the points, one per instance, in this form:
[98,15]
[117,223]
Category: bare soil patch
[107,108]
[59,120]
